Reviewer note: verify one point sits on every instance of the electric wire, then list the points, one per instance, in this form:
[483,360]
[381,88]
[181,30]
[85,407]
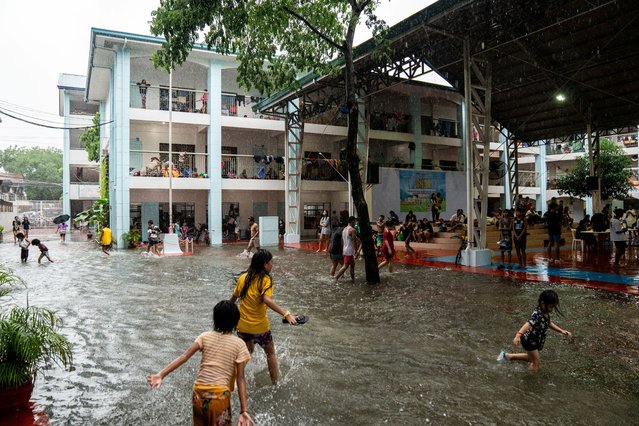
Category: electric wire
[54,127]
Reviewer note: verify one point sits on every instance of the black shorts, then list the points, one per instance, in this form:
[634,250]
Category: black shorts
[261,339]
[337,257]
[531,345]
[620,245]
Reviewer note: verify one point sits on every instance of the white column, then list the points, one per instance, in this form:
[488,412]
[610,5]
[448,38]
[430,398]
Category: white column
[214,143]
[119,146]
[66,172]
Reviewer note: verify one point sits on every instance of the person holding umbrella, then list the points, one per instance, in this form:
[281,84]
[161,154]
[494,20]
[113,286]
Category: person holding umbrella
[61,221]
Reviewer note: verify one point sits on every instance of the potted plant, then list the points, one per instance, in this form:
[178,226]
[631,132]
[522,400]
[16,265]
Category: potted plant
[133,238]
[29,344]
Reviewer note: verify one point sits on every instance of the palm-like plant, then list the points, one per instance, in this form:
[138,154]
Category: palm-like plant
[29,339]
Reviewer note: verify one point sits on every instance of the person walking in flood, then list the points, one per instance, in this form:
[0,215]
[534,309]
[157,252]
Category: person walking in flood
[44,250]
[388,248]
[224,358]
[335,250]
[349,248]
[23,243]
[532,334]
[553,220]
[16,224]
[254,241]
[62,230]
[254,290]
[106,240]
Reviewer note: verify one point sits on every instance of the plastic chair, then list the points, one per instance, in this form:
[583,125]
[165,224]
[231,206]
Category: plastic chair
[576,240]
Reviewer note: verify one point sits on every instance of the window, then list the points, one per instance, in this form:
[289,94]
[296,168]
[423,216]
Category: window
[448,165]
[313,213]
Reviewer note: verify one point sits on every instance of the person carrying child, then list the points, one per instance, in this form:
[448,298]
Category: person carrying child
[532,334]
[44,251]
[23,243]
[254,290]
[224,357]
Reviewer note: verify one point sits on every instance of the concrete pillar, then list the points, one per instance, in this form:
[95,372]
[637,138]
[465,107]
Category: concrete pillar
[214,143]
[119,146]
[541,170]
[66,172]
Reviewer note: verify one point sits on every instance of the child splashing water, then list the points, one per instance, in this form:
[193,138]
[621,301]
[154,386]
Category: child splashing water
[254,290]
[224,357]
[533,333]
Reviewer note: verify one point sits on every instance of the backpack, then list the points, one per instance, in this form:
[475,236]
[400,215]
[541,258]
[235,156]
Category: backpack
[335,246]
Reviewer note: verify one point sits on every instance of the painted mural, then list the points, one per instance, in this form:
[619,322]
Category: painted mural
[419,190]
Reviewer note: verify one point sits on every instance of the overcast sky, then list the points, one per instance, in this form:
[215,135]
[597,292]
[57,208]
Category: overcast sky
[40,39]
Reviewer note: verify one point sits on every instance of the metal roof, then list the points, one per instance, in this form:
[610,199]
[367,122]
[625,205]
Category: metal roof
[588,50]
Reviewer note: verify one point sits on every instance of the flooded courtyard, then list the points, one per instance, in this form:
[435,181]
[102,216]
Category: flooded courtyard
[418,348]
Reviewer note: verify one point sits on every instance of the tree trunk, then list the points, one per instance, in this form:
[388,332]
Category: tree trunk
[357,191]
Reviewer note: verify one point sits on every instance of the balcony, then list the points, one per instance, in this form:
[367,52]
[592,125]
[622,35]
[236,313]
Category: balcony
[190,101]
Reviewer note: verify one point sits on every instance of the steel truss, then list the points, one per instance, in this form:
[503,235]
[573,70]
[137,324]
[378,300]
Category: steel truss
[294,138]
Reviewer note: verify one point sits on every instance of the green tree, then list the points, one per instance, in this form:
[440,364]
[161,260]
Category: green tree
[275,40]
[614,170]
[91,139]
[41,168]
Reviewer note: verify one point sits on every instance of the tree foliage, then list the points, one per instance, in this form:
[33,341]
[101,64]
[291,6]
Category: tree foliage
[39,166]
[276,41]
[91,139]
[614,170]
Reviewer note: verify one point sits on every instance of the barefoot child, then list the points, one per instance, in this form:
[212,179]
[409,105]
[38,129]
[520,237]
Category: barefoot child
[224,357]
[506,240]
[106,240]
[388,248]
[254,290]
[23,243]
[533,333]
[44,251]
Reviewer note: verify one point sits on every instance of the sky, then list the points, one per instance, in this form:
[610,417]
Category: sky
[41,39]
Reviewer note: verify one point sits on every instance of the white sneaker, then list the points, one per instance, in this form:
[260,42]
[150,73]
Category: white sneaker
[502,356]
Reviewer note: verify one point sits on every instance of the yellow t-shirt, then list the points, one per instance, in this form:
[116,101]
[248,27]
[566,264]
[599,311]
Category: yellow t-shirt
[106,236]
[253,319]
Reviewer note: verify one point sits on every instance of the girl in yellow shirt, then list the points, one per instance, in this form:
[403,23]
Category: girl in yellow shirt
[254,290]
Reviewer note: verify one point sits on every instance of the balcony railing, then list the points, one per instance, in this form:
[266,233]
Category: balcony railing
[565,148]
[191,100]
[156,164]
[237,166]
[528,178]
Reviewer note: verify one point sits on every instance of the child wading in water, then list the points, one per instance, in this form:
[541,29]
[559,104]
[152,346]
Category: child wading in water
[44,251]
[224,357]
[23,243]
[254,290]
[533,333]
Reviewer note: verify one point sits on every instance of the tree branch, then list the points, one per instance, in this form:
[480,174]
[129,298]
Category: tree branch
[312,28]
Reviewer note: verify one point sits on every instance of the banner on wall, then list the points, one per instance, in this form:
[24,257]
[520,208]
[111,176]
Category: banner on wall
[419,189]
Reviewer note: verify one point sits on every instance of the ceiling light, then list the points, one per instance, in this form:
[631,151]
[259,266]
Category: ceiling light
[560,97]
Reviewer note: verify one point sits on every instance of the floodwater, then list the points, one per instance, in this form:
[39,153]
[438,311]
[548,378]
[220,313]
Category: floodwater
[417,349]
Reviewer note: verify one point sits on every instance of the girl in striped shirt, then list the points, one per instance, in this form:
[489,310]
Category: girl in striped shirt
[224,357]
